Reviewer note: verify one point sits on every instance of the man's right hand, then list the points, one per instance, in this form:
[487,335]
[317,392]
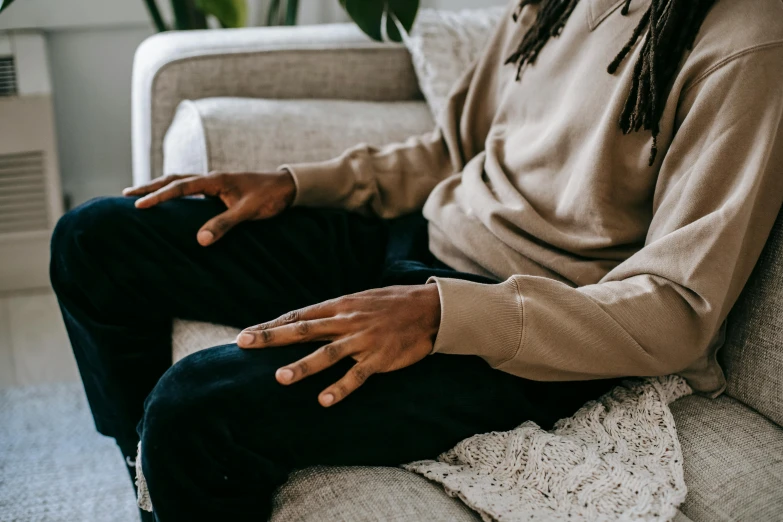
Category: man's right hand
[248,196]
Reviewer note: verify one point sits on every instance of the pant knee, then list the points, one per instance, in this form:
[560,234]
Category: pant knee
[82,232]
[209,386]
[198,439]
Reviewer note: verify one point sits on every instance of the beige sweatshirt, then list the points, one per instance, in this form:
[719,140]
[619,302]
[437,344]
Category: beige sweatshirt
[610,267]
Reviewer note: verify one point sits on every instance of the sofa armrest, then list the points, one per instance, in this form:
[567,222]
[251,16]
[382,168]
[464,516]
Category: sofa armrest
[334,61]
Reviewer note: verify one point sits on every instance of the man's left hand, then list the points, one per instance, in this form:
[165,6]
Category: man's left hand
[383,330]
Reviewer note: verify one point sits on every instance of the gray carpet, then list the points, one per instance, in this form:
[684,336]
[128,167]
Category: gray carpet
[54,466]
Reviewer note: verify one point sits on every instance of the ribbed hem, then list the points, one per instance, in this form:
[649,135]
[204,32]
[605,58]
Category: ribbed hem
[317,182]
[479,319]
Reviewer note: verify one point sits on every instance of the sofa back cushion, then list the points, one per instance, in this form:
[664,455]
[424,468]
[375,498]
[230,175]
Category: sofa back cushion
[753,353]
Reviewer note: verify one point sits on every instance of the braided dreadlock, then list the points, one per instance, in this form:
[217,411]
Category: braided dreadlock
[673,25]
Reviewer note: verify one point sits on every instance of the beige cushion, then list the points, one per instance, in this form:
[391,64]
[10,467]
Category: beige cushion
[444,44]
[233,134]
[733,460]
[317,61]
[753,353]
[363,494]
[191,336]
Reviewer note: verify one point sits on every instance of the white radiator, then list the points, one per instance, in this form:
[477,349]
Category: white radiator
[30,196]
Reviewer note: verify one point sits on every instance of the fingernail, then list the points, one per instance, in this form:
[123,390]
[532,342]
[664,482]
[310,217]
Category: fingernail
[126,190]
[245,338]
[205,237]
[285,374]
[327,399]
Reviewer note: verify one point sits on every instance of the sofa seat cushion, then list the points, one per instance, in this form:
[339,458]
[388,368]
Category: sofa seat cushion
[365,494]
[733,460]
[244,134]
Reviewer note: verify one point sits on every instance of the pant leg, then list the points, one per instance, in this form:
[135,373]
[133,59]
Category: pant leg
[121,275]
[220,434]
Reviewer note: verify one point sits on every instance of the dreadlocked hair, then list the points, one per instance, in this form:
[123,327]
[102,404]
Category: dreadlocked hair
[672,24]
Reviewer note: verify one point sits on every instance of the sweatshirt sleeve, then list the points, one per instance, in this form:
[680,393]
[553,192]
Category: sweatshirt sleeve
[391,180]
[717,196]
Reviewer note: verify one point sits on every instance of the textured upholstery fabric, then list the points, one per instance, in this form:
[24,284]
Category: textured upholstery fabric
[358,494]
[753,353]
[191,336]
[733,460]
[444,44]
[231,134]
[327,62]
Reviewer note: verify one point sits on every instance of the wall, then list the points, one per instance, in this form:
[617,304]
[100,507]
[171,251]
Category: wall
[91,75]
[91,45]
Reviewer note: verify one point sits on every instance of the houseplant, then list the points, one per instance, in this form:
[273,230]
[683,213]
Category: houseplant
[369,15]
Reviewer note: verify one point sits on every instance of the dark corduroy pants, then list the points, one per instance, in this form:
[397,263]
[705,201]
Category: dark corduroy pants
[219,433]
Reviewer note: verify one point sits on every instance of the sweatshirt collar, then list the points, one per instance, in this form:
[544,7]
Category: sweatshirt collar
[598,10]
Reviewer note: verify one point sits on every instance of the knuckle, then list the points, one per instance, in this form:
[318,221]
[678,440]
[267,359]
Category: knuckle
[302,327]
[352,316]
[220,225]
[332,352]
[360,373]
[303,368]
[175,188]
[290,317]
[267,336]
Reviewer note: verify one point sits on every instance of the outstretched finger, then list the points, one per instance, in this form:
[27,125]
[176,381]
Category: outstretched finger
[179,188]
[294,333]
[154,185]
[315,311]
[217,227]
[338,391]
[321,359]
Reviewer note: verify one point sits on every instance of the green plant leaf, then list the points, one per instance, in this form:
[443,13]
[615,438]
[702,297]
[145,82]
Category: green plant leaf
[291,12]
[368,15]
[5,3]
[274,12]
[230,13]
[152,7]
[187,16]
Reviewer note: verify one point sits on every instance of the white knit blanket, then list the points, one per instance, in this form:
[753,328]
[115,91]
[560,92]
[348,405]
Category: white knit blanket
[617,458]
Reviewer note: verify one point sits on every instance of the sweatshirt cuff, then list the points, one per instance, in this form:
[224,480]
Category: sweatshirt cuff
[479,319]
[316,182]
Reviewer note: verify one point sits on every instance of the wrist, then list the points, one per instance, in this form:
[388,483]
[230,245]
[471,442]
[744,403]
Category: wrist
[430,296]
[288,185]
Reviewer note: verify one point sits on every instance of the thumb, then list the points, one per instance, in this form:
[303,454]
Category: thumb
[217,227]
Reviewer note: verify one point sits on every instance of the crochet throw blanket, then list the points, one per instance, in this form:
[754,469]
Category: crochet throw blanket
[617,458]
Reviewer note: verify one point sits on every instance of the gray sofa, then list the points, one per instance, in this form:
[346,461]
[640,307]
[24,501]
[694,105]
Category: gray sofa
[252,99]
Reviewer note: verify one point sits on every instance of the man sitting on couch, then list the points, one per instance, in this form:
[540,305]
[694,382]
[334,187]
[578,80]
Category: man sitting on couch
[579,225]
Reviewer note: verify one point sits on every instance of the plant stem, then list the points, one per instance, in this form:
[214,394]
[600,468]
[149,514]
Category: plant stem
[272,14]
[152,7]
[181,14]
[291,11]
